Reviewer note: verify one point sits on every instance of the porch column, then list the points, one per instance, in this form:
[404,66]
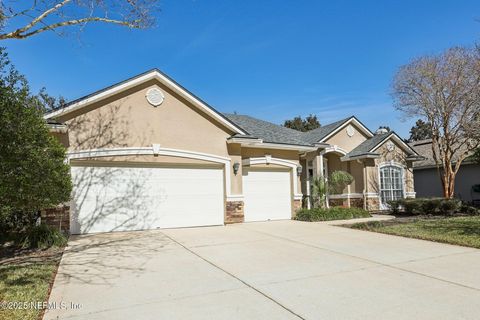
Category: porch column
[319,166]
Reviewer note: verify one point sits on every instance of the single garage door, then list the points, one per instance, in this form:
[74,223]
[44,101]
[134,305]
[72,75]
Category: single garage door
[267,195]
[120,198]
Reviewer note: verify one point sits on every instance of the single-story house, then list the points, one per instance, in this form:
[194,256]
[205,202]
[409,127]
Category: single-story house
[427,180]
[146,153]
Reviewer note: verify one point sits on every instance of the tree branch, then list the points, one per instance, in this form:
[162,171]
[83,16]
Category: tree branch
[16,33]
[133,24]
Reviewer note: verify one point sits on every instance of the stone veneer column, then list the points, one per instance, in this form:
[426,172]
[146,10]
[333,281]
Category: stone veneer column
[373,204]
[234,212]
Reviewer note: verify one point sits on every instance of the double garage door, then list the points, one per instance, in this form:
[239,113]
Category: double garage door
[110,198]
[119,198]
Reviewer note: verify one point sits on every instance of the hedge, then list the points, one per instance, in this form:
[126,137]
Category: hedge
[333,213]
[430,206]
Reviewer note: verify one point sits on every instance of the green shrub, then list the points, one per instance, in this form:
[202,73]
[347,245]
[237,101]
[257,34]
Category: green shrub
[33,171]
[471,211]
[333,213]
[413,206]
[42,236]
[395,206]
[423,206]
[338,181]
[449,206]
[431,206]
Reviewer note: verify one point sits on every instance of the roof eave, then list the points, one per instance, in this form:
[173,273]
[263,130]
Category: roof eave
[259,143]
[360,156]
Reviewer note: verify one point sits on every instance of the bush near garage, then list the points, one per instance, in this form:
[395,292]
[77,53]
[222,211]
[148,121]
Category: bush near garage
[41,237]
[33,172]
[333,213]
[430,206]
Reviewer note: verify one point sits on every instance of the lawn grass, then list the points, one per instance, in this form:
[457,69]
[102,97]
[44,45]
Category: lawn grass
[463,231]
[26,277]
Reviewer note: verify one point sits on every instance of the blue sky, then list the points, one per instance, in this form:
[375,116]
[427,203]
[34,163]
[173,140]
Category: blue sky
[269,59]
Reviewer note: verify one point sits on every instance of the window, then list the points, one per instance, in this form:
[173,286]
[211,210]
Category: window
[391,183]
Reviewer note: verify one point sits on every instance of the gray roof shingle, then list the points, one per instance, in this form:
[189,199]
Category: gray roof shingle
[271,132]
[366,146]
[267,131]
[318,134]
[424,148]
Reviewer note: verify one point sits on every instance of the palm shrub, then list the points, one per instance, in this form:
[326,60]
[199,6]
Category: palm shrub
[319,192]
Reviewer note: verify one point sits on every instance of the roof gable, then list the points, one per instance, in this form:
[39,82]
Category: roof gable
[369,146]
[323,133]
[135,81]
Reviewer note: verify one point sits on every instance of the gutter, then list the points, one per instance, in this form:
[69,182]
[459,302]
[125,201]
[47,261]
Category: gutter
[259,143]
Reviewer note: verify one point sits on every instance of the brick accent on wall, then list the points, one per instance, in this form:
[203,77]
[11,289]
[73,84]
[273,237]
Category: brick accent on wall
[58,217]
[337,202]
[234,212]
[297,205]
[356,203]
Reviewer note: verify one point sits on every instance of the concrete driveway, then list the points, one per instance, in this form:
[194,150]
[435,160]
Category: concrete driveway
[270,270]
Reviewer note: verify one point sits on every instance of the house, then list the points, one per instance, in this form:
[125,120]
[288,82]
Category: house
[146,153]
[428,182]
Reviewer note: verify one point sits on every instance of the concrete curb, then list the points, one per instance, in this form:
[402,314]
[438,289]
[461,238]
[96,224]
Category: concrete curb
[375,217]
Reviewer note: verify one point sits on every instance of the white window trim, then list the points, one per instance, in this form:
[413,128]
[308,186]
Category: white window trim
[157,150]
[297,195]
[392,163]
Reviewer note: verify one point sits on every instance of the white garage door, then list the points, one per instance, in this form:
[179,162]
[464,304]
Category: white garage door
[267,195]
[109,198]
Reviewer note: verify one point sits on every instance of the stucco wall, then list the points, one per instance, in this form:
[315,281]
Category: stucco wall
[345,142]
[428,184]
[356,170]
[128,120]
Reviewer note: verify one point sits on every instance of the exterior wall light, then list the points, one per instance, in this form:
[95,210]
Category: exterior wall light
[236,166]
[299,170]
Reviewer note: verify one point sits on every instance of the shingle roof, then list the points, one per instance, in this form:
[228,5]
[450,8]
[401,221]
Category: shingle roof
[424,148]
[366,146]
[271,132]
[267,131]
[318,134]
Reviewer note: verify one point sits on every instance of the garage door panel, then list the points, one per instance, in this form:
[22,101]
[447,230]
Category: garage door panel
[133,198]
[267,195]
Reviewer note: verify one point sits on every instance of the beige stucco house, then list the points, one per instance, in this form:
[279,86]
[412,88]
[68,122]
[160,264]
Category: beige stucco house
[146,153]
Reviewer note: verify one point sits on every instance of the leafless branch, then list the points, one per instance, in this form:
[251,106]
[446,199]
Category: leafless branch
[54,15]
[445,90]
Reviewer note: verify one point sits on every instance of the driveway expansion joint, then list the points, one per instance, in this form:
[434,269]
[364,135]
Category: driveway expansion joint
[237,278]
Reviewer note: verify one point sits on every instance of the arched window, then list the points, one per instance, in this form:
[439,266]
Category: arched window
[391,183]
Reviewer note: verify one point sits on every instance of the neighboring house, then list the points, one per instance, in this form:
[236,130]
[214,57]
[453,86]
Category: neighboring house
[146,153]
[428,182]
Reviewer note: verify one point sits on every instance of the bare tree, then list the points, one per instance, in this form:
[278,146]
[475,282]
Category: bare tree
[444,90]
[28,18]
